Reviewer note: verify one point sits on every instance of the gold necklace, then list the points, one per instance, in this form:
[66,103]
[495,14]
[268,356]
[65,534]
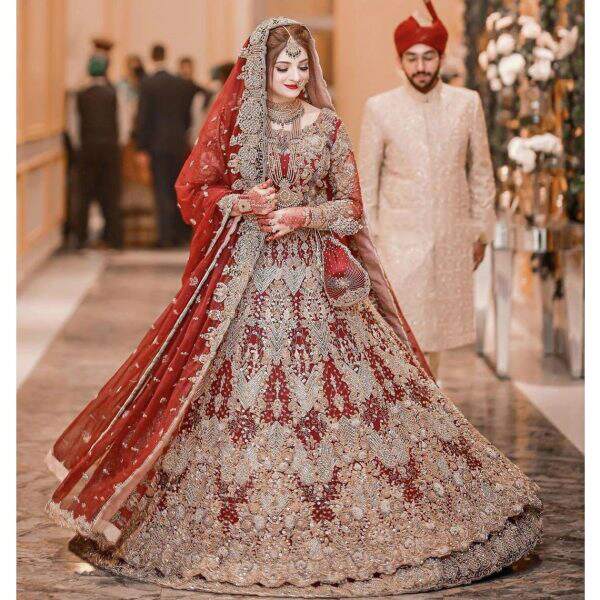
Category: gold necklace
[285,113]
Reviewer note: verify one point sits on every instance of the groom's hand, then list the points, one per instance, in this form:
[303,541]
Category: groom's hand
[478,253]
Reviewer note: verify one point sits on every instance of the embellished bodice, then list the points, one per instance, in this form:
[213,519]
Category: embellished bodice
[298,165]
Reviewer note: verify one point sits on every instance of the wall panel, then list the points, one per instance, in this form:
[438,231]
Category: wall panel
[40,108]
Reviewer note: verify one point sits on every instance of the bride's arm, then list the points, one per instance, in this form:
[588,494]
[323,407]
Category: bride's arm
[342,213]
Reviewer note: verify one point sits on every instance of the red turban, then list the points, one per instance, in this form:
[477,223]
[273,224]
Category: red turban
[409,32]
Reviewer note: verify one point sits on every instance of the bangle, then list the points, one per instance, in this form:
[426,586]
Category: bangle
[307,217]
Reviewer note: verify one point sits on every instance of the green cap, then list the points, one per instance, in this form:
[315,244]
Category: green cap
[97,65]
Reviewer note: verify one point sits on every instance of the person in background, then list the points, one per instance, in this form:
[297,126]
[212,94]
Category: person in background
[128,91]
[221,72]
[429,189]
[96,136]
[102,47]
[164,118]
[202,97]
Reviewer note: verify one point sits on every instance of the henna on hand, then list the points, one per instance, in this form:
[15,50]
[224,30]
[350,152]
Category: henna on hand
[478,253]
[261,198]
[281,222]
[240,206]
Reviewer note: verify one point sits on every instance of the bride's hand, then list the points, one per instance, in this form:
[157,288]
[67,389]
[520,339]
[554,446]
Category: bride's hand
[260,200]
[281,222]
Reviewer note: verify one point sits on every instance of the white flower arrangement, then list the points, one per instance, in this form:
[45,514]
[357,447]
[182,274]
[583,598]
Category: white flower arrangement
[545,40]
[547,143]
[525,151]
[510,67]
[483,60]
[543,54]
[541,70]
[509,52]
[490,22]
[506,44]
[491,50]
[568,42]
[492,72]
[496,84]
[520,153]
[504,22]
[530,28]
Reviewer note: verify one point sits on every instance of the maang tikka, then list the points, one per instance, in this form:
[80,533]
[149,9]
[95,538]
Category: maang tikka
[292,48]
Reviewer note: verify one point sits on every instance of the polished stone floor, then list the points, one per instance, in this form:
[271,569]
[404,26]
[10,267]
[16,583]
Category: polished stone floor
[103,330]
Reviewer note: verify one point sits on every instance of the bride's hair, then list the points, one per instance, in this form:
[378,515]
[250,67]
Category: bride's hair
[278,38]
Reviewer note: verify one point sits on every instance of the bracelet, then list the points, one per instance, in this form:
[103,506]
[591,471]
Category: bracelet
[307,217]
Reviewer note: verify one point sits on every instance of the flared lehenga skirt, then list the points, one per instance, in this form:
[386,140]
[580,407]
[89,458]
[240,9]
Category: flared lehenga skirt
[318,460]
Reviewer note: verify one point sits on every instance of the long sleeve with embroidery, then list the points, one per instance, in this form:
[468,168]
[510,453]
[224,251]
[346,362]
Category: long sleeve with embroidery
[342,213]
[370,158]
[482,187]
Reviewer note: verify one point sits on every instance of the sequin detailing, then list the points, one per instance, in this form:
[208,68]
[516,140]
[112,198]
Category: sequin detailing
[428,191]
[314,457]
[316,450]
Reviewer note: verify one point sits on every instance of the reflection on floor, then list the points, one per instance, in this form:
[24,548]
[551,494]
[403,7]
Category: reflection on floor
[545,380]
[130,291]
[48,299]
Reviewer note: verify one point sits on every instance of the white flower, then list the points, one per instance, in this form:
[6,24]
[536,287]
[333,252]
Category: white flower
[491,21]
[505,44]
[504,22]
[492,71]
[492,52]
[545,40]
[543,54]
[531,29]
[568,42]
[528,163]
[525,19]
[541,70]
[510,67]
[547,143]
[521,154]
[495,84]
[483,60]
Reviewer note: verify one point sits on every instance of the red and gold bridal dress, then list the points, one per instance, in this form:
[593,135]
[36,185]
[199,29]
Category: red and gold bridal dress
[277,431]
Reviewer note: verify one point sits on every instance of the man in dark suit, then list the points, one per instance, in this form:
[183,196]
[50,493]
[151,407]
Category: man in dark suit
[99,164]
[201,100]
[163,122]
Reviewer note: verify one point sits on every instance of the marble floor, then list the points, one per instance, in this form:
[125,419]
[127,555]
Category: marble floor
[124,295]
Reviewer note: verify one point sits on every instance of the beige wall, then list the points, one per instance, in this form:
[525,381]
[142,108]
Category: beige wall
[364,53]
[211,31]
[40,170]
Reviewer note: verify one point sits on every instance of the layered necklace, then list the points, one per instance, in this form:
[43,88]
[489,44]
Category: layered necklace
[282,114]
[280,142]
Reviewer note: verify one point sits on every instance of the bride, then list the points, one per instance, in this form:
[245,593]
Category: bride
[277,431]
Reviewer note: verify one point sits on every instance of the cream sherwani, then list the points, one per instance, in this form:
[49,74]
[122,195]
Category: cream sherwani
[428,189]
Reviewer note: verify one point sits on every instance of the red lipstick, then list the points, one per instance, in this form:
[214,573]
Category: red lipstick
[291,87]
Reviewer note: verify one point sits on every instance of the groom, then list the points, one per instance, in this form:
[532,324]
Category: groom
[428,189]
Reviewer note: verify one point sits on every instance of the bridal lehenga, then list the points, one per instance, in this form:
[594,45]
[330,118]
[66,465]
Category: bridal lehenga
[277,431]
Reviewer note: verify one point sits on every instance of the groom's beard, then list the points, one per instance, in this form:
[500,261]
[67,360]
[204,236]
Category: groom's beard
[429,83]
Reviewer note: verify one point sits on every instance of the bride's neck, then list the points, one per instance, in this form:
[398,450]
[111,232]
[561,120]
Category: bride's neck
[276,99]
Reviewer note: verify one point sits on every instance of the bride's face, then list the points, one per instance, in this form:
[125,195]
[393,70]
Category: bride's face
[289,76]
